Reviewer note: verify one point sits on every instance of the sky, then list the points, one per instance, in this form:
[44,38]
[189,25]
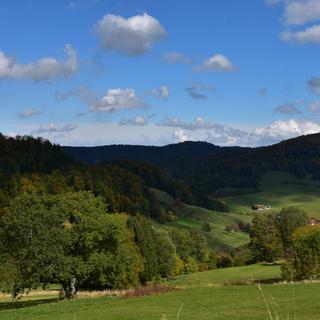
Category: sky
[98,72]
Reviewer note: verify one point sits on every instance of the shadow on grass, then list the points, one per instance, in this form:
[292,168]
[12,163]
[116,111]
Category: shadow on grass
[24,304]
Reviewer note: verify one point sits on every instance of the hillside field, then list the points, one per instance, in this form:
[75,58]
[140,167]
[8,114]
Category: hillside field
[200,299]
[279,190]
[193,217]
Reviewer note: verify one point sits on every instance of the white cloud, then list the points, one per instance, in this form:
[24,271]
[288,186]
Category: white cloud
[314,106]
[117,99]
[102,133]
[161,93]
[314,85]
[217,62]
[177,57]
[133,36]
[43,69]
[137,121]
[209,131]
[298,12]
[311,34]
[289,108]
[180,136]
[54,128]
[281,130]
[29,113]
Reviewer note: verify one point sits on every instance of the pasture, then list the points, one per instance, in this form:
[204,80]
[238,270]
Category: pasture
[202,297]
[279,190]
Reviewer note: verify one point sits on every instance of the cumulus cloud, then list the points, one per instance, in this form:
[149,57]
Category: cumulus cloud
[137,121]
[289,108]
[133,36]
[216,63]
[314,85]
[40,70]
[54,128]
[180,136]
[314,106]
[200,124]
[311,34]
[298,12]
[161,93]
[177,57]
[281,130]
[117,99]
[202,130]
[29,113]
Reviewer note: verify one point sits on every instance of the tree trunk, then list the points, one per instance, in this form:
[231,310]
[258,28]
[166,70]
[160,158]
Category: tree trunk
[70,289]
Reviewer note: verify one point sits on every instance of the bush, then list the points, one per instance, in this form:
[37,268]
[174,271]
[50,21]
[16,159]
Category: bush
[212,261]
[287,272]
[191,266]
[206,227]
[224,260]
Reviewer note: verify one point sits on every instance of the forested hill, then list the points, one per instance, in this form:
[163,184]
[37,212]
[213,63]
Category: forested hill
[170,155]
[29,165]
[212,170]
[193,172]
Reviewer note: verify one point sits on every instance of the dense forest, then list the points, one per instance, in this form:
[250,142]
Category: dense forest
[211,171]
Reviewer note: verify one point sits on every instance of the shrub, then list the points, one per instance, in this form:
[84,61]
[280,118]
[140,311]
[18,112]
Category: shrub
[206,227]
[224,260]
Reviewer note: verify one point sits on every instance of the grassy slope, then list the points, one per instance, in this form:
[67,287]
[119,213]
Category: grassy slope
[202,299]
[221,276]
[203,303]
[195,216]
[278,194]
[274,191]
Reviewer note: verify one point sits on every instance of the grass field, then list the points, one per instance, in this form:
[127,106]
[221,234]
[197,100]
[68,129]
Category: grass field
[228,275]
[202,298]
[276,191]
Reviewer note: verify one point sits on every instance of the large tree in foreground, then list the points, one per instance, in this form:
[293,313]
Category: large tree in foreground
[68,239]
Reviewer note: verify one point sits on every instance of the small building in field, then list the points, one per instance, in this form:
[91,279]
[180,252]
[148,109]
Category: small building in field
[314,221]
[259,207]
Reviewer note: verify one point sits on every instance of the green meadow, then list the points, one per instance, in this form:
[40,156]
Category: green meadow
[200,296]
[280,190]
[193,217]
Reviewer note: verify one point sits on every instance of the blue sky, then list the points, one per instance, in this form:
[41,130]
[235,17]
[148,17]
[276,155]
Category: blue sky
[93,72]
